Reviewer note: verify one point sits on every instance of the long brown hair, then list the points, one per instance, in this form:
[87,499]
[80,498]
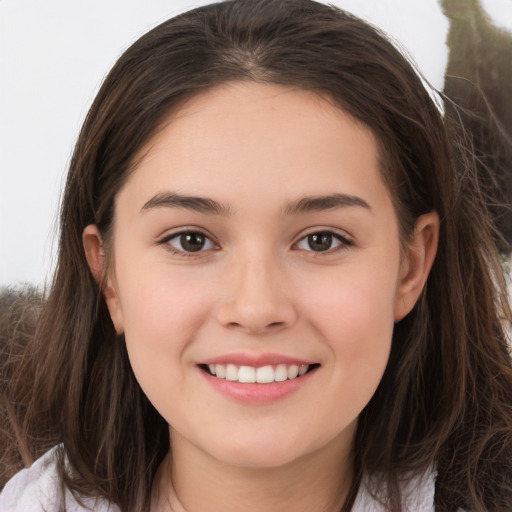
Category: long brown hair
[446,395]
[19,309]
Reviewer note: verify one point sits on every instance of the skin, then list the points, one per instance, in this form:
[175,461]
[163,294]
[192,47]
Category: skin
[258,287]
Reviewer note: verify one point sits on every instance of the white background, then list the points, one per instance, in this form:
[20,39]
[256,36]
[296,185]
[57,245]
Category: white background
[53,57]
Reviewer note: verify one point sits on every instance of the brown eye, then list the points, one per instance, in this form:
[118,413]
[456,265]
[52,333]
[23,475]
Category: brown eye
[322,241]
[191,241]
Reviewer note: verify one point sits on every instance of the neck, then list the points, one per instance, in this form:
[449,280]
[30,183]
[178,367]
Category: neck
[317,481]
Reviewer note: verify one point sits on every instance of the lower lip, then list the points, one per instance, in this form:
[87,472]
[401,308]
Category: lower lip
[257,393]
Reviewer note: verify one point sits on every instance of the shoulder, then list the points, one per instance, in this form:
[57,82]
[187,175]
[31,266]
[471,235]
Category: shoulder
[417,494]
[34,488]
[39,489]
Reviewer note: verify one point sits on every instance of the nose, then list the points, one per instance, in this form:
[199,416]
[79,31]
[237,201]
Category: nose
[257,297]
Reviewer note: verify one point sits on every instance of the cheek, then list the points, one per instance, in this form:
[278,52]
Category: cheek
[354,314]
[355,296]
[163,311]
[160,305]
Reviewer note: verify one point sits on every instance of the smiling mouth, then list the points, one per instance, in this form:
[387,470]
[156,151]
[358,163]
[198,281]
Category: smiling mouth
[262,375]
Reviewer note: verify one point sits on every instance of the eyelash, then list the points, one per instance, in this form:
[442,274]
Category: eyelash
[343,242]
[181,252]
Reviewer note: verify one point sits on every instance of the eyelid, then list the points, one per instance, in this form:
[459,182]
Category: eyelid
[342,236]
[179,230]
[184,230]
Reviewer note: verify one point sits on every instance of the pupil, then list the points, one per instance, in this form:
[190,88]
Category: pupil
[320,241]
[192,242]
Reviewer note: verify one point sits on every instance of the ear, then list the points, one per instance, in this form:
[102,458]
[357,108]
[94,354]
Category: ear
[94,252]
[416,263]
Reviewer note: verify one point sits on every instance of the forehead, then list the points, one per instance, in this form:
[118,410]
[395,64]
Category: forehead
[258,140]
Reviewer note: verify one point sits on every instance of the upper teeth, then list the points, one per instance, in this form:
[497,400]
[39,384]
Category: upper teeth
[261,375]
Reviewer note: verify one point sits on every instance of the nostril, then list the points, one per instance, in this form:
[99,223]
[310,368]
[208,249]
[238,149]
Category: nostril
[269,327]
[253,316]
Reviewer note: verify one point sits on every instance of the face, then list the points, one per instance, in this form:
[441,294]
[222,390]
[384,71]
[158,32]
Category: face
[257,273]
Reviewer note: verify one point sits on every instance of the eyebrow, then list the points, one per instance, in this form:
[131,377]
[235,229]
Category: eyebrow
[210,206]
[193,203]
[327,202]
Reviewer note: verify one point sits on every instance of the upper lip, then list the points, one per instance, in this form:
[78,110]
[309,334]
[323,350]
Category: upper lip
[255,360]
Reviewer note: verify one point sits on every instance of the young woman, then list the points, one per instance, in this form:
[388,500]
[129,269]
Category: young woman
[276,289]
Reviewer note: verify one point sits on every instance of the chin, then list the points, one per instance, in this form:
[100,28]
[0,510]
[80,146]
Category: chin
[268,453]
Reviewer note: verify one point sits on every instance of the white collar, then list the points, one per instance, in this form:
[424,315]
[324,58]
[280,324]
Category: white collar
[417,494]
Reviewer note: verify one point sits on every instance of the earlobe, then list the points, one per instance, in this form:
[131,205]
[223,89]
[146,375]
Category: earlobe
[417,262]
[95,255]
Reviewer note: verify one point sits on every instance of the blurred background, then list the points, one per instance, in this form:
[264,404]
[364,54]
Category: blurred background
[54,55]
